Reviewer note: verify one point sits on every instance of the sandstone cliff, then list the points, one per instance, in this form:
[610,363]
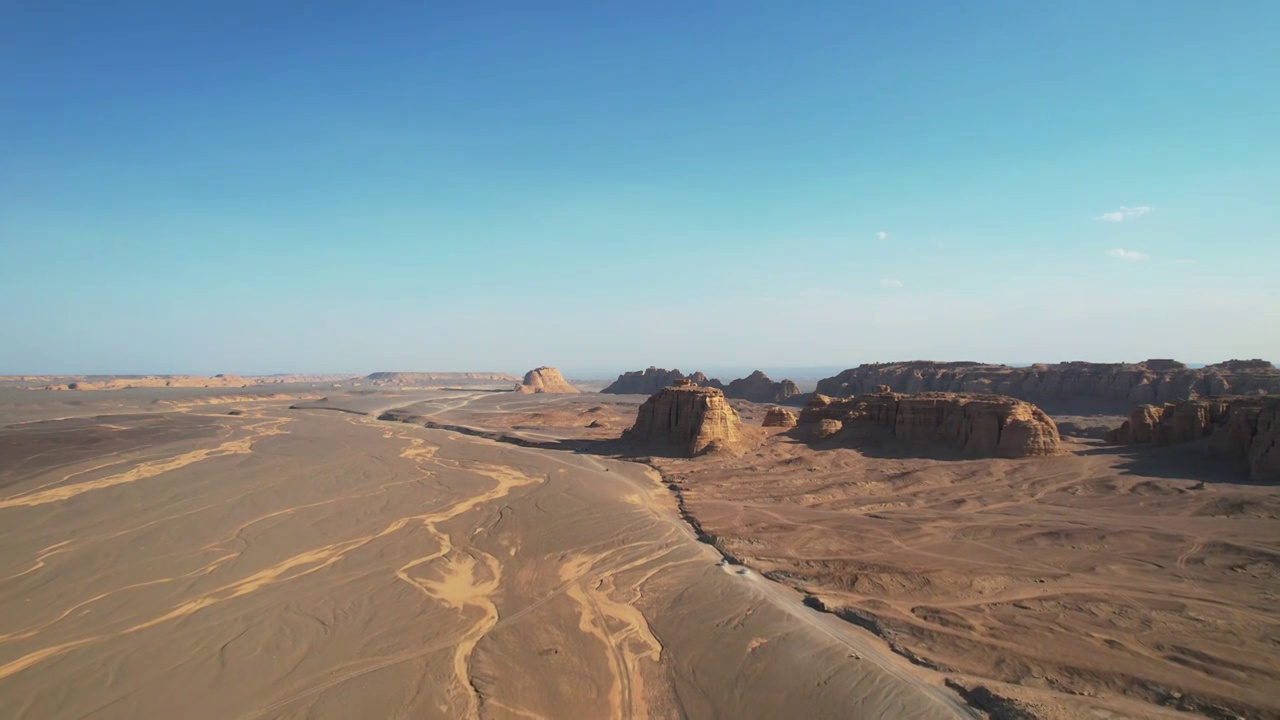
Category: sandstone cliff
[1245,430]
[684,421]
[1109,386]
[756,387]
[545,380]
[973,425]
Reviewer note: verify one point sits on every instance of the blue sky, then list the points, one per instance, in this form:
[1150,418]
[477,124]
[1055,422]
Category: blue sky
[264,187]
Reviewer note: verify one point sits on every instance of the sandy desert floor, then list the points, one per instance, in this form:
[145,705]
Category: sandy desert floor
[167,558]
[1105,582]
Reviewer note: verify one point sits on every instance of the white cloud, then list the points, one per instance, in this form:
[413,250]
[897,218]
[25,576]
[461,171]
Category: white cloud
[890,283]
[882,235]
[1125,212]
[1123,254]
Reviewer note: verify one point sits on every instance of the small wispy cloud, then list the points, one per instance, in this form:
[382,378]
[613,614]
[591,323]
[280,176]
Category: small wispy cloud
[882,235]
[1130,255]
[890,283]
[1184,262]
[1125,213]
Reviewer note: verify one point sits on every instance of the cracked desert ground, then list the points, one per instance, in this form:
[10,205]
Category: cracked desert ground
[166,558]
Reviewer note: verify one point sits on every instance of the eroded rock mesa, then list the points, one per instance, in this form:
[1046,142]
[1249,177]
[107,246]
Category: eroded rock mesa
[545,380]
[1244,430]
[974,425]
[779,417]
[685,421]
[1115,386]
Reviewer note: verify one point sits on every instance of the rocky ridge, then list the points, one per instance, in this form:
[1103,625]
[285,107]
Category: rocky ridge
[1244,430]
[545,380]
[756,387]
[1116,386]
[684,421]
[975,425]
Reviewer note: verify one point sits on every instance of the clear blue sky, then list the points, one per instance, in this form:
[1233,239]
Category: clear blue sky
[321,186]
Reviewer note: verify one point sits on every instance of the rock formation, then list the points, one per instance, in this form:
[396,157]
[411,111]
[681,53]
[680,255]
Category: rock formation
[646,382]
[1110,386]
[756,387]
[545,380]
[1240,429]
[684,421]
[779,417]
[973,424]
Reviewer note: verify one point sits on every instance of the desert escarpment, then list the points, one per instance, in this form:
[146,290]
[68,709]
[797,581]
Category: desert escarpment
[545,380]
[1238,429]
[756,387]
[1101,385]
[156,381]
[685,421]
[975,425]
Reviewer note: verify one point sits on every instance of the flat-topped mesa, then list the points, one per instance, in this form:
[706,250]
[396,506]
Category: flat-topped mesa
[685,422]
[1243,429]
[779,417]
[545,380]
[975,425]
[1115,386]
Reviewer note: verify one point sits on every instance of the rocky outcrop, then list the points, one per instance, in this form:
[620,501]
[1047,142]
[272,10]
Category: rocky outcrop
[646,382]
[1244,430]
[971,424]
[779,417]
[756,387]
[545,380]
[1138,428]
[1100,386]
[684,421]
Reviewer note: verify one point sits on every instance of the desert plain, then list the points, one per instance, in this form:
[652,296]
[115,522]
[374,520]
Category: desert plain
[338,549]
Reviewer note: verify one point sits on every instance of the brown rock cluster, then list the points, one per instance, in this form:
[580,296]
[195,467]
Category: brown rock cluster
[779,417]
[1109,385]
[756,387]
[685,421]
[545,380]
[974,425]
[1240,429]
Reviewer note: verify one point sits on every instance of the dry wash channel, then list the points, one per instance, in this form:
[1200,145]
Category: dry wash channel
[304,563]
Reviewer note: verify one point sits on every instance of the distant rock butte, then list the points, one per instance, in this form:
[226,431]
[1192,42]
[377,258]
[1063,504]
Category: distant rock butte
[685,421]
[756,387]
[1240,429]
[974,425]
[779,417]
[1115,386]
[545,380]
